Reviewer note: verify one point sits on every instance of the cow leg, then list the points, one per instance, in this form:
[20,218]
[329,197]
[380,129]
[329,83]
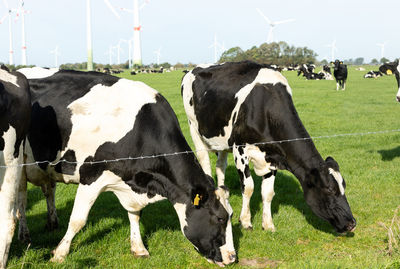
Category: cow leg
[85,198]
[137,247]
[247,184]
[9,182]
[201,150]
[337,85]
[267,193]
[23,231]
[49,191]
[221,166]
[344,85]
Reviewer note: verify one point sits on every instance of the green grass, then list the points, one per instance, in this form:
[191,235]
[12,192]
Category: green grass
[370,165]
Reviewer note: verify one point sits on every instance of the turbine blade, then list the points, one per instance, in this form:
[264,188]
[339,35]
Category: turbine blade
[6,4]
[112,8]
[2,19]
[284,21]
[262,15]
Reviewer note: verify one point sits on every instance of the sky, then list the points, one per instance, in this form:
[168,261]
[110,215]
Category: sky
[185,29]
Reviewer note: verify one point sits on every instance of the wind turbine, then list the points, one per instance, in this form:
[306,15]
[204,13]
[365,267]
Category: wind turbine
[110,54]
[21,10]
[215,45]
[272,24]
[129,42]
[56,54]
[137,50]
[9,11]
[333,48]
[119,49]
[158,53]
[89,31]
[382,45]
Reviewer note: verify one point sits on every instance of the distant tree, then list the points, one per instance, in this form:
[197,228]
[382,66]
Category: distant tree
[179,66]
[349,61]
[374,61]
[233,54]
[323,62]
[384,60]
[359,61]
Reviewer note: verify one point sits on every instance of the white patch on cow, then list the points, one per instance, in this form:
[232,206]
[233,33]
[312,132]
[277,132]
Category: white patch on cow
[339,179]
[398,83]
[94,118]
[9,183]
[267,194]
[228,249]
[257,157]
[181,212]
[7,77]
[37,72]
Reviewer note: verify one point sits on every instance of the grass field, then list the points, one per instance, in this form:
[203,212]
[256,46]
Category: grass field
[370,165]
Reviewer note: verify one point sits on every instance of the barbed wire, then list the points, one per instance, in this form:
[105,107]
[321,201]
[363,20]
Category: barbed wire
[51,163]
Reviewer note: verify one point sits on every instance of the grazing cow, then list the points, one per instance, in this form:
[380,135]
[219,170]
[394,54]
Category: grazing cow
[340,74]
[15,116]
[392,68]
[81,120]
[241,107]
[373,74]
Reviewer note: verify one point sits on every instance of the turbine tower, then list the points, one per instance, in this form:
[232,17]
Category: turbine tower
[382,45]
[56,54]
[89,31]
[216,46]
[272,24]
[333,48]
[9,11]
[21,10]
[158,53]
[137,50]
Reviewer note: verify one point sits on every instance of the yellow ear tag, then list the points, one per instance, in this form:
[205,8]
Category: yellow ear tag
[197,199]
[389,72]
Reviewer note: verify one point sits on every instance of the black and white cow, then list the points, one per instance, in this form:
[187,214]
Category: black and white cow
[340,74]
[392,68]
[87,119]
[309,75]
[15,112]
[234,106]
[373,74]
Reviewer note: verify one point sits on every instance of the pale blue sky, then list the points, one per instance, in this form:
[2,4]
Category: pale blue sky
[184,29]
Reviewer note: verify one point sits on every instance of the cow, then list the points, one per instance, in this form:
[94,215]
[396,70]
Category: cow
[15,116]
[373,74]
[392,68]
[99,131]
[242,107]
[309,75]
[340,74]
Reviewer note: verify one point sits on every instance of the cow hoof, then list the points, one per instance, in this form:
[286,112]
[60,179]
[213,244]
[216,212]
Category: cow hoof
[141,254]
[57,259]
[51,226]
[270,229]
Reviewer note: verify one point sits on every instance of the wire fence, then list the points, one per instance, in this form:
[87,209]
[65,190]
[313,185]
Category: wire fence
[129,158]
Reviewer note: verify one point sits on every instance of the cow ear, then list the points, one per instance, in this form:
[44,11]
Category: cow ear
[199,197]
[341,62]
[396,61]
[331,163]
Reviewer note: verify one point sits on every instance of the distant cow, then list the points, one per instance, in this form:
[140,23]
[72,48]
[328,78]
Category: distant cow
[242,107]
[392,68]
[373,74]
[15,116]
[340,74]
[309,75]
[93,126]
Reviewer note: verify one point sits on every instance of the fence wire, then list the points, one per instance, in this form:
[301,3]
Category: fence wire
[129,158]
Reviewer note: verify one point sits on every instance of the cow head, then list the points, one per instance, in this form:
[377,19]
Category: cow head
[207,225]
[392,68]
[324,192]
[337,64]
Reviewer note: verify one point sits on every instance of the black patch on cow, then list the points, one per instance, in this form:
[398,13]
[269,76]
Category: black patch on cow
[214,99]
[240,149]
[247,171]
[268,175]
[235,159]
[182,90]
[67,167]
[191,101]
[242,160]
[51,97]
[15,109]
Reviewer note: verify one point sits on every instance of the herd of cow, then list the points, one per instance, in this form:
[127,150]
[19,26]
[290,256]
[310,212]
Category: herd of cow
[94,129]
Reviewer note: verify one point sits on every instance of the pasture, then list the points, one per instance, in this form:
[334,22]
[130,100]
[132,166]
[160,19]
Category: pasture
[369,163]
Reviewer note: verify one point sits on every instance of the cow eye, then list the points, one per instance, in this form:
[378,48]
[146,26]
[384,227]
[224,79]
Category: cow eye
[221,220]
